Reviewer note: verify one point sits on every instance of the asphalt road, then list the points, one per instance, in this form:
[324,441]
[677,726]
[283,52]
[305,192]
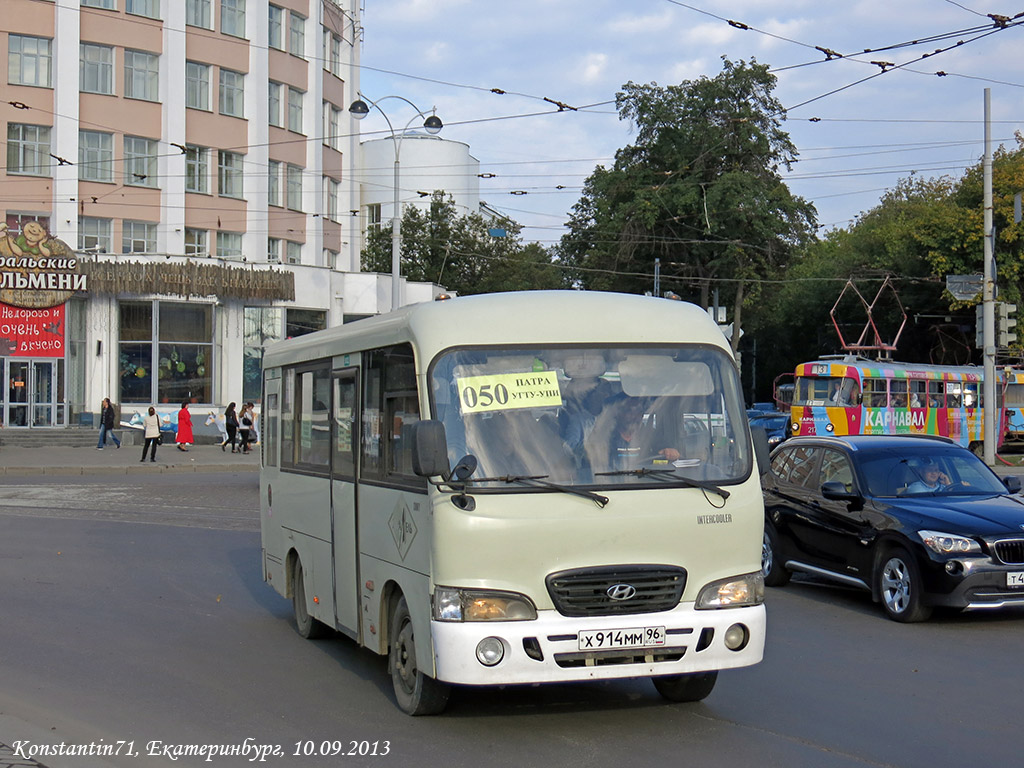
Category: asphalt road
[137,613]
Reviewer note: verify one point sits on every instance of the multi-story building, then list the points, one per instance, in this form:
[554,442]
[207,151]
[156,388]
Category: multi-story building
[197,157]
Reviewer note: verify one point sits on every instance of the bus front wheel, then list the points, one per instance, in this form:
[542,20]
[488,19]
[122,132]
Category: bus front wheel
[307,626]
[691,687]
[416,693]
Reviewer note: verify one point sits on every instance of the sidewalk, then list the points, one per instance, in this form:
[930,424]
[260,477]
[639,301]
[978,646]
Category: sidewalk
[63,460]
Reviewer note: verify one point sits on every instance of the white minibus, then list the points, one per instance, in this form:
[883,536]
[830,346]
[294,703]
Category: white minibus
[516,488]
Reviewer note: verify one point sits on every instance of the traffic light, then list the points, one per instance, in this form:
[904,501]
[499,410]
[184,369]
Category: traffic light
[1005,323]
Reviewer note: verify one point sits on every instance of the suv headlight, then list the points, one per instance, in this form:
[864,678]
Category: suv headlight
[451,604]
[949,543]
[734,592]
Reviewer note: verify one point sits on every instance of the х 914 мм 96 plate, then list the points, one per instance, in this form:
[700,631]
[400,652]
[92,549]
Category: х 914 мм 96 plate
[635,637]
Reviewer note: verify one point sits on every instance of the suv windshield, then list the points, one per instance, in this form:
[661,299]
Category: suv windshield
[593,416]
[923,470]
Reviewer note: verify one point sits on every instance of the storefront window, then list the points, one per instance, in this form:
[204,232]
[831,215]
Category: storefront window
[262,326]
[303,321]
[169,360]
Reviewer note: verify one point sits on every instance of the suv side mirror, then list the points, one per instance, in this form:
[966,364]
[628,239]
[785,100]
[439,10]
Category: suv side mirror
[833,490]
[429,448]
[1012,483]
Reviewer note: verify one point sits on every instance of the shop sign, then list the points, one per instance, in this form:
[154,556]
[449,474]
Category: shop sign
[26,332]
[37,271]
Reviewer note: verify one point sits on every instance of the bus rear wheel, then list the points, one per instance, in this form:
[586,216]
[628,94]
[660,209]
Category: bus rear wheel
[693,687]
[308,627]
[416,693]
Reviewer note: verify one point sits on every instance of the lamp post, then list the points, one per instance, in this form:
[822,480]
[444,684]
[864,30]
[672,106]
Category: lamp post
[433,125]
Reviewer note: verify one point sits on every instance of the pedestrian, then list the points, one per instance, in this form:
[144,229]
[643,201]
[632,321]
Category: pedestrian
[245,427]
[231,424]
[184,438]
[151,425]
[107,425]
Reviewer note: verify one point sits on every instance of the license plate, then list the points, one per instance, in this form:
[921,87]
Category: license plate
[1015,579]
[634,637]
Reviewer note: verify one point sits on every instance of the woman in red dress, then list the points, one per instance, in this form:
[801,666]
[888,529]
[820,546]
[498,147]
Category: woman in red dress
[185,438]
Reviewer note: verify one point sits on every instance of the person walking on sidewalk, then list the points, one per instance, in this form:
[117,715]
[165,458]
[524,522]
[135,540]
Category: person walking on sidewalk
[231,425]
[245,427]
[184,438]
[107,425]
[151,425]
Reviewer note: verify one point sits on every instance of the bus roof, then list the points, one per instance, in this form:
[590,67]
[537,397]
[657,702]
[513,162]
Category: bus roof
[520,317]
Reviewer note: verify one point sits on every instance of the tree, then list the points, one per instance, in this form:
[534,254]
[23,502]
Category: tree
[699,190]
[460,253]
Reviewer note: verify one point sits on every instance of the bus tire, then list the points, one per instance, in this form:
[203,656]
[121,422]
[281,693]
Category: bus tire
[682,688]
[774,572]
[308,627]
[415,692]
[899,586]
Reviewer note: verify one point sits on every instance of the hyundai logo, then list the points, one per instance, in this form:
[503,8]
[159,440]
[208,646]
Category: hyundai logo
[621,591]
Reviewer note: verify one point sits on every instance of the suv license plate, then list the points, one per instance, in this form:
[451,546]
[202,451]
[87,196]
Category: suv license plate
[1015,579]
[635,637]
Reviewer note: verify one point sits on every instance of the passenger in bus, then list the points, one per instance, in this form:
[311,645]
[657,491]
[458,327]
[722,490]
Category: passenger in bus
[635,437]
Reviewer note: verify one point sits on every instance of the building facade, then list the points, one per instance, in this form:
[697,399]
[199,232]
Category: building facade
[196,157]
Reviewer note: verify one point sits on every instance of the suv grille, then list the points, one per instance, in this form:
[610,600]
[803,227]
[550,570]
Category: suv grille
[584,591]
[1010,551]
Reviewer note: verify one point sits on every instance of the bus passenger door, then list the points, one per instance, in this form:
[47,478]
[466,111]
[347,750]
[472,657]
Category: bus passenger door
[344,518]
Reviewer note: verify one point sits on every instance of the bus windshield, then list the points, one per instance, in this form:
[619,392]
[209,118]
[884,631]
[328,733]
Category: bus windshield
[595,417]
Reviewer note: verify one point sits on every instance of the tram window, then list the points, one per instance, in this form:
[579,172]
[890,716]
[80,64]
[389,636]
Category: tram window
[898,393]
[971,399]
[875,393]
[954,394]
[918,393]
[936,395]
[1014,395]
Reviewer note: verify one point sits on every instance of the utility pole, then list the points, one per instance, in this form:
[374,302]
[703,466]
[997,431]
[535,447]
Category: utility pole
[991,413]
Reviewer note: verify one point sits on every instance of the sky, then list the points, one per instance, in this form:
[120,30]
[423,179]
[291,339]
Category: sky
[853,143]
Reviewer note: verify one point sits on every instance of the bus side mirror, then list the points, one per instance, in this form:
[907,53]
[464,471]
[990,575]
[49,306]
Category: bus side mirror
[1012,483]
[761,452]
[429,449]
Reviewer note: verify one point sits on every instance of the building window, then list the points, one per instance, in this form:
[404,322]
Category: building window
[141,75]
[95,235]
[295,109]
[273,250]
[332,125]
[166,353]
[332,53]
[296,34]
[196,242]
[232,17]
[28,149]
[294,190]
[229,245]
[299,322]
[29,60]
[274,183]
[229,174]
[197,85]
[331,187]
[140,161]
[261,326]
[276,28]
[16,222]
[373,218]
[274,104]
[294,251]
[232,93]
[197,169]
[110,5]
[138,237]
[331,258]
[96,69]
[148,8]
[95,156]
[197,14]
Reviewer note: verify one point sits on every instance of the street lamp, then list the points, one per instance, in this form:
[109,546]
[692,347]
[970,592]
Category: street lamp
[433,125]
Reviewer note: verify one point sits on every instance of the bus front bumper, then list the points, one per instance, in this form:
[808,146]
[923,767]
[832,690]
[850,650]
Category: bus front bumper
[556,648]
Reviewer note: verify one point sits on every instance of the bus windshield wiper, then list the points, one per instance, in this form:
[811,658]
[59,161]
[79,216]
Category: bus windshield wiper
[662,474]
[538,481]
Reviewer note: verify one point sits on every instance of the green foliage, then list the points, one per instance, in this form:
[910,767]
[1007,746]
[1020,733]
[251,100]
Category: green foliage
[699,189]
[458,252]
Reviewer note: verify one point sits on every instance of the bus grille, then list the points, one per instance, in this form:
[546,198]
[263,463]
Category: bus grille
[585,591]
[1010,551]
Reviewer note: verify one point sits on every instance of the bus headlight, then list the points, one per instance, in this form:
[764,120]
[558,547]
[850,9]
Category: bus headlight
[734,592]
[451,604]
